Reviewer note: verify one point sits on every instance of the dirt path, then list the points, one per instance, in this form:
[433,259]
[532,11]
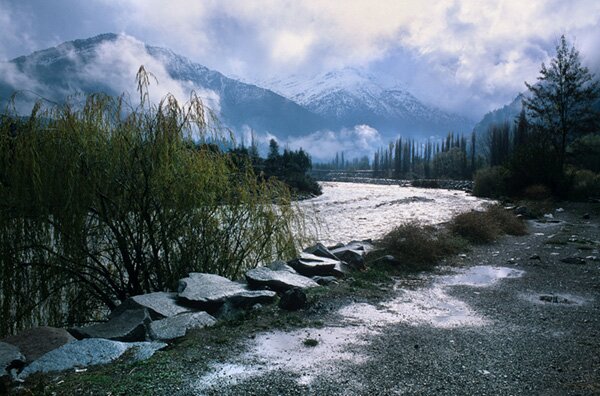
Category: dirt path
[512,319]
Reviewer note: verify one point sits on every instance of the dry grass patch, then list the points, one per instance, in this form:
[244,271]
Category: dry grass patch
[485,226]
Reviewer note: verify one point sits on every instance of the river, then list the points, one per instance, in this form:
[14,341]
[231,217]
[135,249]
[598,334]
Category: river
[357,211]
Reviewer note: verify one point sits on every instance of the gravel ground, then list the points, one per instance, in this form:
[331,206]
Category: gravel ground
[525,347]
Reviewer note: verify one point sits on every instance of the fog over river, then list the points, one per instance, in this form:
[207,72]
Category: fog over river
[356,211]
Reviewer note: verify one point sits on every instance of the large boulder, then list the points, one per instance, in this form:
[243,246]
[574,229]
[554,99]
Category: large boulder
[38,341]
[208,292]
[159,305]
[263,277]
[89,352]
[321,251]
[281,266]
[130,326]
[10,357]
[177,326]
[310,265]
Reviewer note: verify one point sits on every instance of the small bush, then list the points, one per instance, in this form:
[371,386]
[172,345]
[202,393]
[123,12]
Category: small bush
[475,227]
[418,246]
[584,184]
[491,182]
[506,221]
[484,227]
[537,192]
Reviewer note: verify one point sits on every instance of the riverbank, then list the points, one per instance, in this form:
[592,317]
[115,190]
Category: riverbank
[532,333]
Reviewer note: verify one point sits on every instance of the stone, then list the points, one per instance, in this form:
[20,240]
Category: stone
[325,280]
[177,326]
[280,265]
[10,357]
[586,216]
[535,257]
[208,292]
[131,325]
[263,277]
[573,260]
[309,265]
[354,258]
[321,251]
[555,299]
[293,300]
[38,341]
[524,212]
[159,305]
[387,260]
[89,352]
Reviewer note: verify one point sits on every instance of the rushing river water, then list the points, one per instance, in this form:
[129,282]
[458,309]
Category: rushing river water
[356,211]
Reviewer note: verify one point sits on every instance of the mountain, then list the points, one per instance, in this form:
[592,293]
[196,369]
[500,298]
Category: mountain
[350,97]
[507,113]
[108,63]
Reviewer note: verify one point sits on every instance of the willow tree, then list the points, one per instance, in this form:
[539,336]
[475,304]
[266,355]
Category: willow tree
[104,201]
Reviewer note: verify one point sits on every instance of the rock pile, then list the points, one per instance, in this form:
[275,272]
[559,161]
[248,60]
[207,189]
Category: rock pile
[142,324]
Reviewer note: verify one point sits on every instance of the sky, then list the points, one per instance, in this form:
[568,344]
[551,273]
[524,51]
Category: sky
[468,57]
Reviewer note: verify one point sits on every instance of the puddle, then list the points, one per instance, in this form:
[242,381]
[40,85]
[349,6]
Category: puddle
[555,299]
[425,306]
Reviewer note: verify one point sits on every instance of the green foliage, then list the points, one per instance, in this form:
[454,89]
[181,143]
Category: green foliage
[491,182]
[561,105]
[585,152]
[107,201]
[584,184]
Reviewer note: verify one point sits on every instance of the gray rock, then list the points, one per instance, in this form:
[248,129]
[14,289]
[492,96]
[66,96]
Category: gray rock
[130,326]
[293,300]
[535,257]
[89,352]
[208,292]
[573,260]
[38,341]
[309,265]
[325,280]
[321,251]
[177,326]
[281,266]
[354,258]
[159,305]
[263,277]
[387,260]
[555,299]
[10,356]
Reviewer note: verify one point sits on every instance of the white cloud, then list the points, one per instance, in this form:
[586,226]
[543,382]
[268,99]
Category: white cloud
[354,143]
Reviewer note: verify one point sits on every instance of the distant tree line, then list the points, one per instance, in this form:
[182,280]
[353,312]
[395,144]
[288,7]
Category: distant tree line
[292,167]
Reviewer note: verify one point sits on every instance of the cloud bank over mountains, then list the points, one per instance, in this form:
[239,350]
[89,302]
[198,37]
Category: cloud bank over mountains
[465,56]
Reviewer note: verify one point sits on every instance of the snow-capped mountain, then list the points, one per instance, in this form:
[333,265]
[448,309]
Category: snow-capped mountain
[108,63]
[350,96]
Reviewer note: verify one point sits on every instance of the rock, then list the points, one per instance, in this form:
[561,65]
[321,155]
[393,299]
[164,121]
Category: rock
[130,326]
[281,266]
[309,265]
[555,299]
[549,216]
[208,292]
[573,260]
[10,357]
[337,245]
[535,257]
[388,259]
[524,212]
[559,210]
[354,258]
[325,280]
[38,341]
[177,326]
[263,277]
[321,251]
[159,305]
[293,300]
[89,352]
[586,216]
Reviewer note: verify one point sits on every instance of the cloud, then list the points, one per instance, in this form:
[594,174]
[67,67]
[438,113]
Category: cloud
[466,56]
[322,145]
